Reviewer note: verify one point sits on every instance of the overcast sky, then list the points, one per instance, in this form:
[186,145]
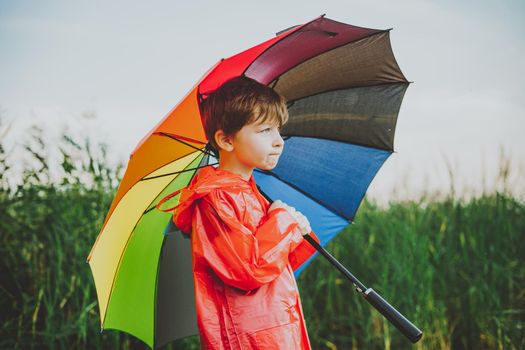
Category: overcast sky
[113,69]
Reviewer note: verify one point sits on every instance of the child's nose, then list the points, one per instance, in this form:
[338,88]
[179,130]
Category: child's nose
[278,140]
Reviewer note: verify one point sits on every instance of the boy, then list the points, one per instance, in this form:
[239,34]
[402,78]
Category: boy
[244,249]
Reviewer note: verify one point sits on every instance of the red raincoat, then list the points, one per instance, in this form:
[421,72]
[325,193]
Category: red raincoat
[243,261]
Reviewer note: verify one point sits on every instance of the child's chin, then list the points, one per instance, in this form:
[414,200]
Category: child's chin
[268,167]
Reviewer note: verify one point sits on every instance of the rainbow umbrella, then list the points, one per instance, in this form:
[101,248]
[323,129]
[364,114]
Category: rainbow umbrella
[344,90]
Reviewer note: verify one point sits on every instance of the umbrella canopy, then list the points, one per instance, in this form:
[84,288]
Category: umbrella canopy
[344,90]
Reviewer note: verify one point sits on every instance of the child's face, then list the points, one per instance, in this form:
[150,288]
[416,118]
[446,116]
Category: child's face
[258,145]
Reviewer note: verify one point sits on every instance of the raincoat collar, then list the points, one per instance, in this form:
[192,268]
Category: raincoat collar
[205,181]
[232,175]
[210,178]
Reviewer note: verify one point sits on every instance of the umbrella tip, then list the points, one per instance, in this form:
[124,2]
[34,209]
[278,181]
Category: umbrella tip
[285,30]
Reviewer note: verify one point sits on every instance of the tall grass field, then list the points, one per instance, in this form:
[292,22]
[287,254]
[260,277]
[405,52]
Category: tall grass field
[455,267]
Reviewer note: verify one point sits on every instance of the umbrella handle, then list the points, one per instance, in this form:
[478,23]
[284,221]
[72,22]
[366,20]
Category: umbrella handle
[404,325]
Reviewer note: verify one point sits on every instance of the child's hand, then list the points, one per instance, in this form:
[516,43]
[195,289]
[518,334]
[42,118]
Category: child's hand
[278,204]
[304,224]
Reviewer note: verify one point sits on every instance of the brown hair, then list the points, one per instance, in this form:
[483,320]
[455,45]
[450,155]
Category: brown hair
[240,101]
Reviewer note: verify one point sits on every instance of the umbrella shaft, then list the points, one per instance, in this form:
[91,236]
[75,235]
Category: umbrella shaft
[395,317]
[360,286]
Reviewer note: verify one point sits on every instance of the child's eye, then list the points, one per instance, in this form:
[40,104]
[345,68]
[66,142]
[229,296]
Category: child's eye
[265,130]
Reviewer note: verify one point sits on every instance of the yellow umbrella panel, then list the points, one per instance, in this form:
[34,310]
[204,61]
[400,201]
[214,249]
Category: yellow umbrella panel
[125,258]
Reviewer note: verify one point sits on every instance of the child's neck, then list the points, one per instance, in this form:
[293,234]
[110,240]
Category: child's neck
[230,164]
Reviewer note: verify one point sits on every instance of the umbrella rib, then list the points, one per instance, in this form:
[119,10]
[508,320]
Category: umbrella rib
[179,139]
[176,172]
[204,160]
[287,136]
[329,207]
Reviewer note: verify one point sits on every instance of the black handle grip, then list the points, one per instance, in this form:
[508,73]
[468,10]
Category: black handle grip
[395,317]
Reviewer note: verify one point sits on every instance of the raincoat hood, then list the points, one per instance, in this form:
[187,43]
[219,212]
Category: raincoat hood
[204,182]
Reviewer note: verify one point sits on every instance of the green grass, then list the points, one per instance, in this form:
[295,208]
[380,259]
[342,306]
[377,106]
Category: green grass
[454,267]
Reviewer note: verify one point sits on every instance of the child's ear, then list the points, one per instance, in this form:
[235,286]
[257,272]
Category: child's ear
[223,141]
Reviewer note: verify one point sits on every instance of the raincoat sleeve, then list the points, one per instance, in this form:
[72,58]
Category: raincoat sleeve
[304,251]
[243,258]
